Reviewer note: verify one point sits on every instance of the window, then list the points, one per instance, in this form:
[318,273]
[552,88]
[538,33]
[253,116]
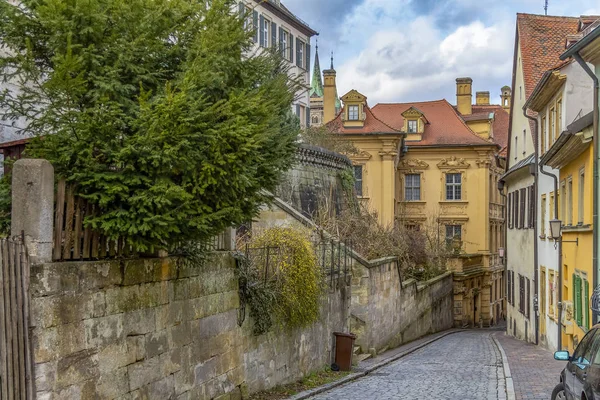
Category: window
[516,146]
[358,180]
[521,294]
[558,117]
[412,187]
[522,203]
[509,280]
[581,199]
[412,126]
[520,92]
[265,32]
[543,215]
[509,211]
[543,138]
[570,201]
[284,40]
[315,119]
[453,232]
[453,186]
[531,211]
[524,140]
[552,123]
[543,293]
[353,113]
[528,289]
[563,189]
[300,60]
[581,349]
[552,208]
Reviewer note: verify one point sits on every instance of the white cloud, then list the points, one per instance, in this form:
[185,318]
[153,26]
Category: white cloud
[417,62]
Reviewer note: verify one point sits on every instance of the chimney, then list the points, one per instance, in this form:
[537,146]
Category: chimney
[482,98]
[329,94]
[464,96]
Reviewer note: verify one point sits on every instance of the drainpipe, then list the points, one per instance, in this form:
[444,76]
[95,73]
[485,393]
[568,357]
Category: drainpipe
[535,232]
[560,277]
[505,259]
[587,69]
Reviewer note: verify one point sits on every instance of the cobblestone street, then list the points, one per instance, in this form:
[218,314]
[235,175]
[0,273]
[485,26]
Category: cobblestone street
[464,365]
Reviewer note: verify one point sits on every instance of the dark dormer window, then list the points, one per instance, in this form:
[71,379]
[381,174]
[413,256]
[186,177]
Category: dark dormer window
[352,113]
[412,126]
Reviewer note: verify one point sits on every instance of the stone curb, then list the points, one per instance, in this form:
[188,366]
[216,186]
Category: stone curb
[510,388]
[352,377]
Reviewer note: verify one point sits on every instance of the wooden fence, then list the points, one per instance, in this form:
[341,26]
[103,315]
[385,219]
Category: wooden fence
[74,241]
[16,380]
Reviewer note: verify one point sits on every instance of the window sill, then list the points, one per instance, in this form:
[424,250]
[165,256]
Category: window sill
[577,228]
[413,201]
[454,201]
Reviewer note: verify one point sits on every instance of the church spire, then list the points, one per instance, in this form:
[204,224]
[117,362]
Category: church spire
[316,85]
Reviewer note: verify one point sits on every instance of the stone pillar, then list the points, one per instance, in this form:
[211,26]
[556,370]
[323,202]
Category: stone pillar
[33,207]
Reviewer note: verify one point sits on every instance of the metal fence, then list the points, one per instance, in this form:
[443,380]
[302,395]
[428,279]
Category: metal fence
[333,257]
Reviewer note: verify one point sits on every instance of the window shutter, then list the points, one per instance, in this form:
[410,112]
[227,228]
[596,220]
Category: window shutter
[307,66]
[586,302]
[242,8]
[528,297]
[298,60]
[255,25]
[577,299]
[516,209]
[508,288]
[273,35]
[261,32]
[281,49]
[307,117]
[291,48]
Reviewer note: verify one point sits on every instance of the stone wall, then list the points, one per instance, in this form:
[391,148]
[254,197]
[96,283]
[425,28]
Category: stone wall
[316,182]
[386,312]
[153,329]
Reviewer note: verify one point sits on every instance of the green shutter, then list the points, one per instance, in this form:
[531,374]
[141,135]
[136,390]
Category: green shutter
[255,25]
[578,310]
[261,32]
[273,35]
[291,48]
[242,9]
[586,303]
[574,296]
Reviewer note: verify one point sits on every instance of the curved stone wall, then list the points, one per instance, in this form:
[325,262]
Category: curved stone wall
[318,180]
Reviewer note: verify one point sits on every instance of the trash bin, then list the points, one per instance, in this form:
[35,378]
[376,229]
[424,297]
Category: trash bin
[344,348]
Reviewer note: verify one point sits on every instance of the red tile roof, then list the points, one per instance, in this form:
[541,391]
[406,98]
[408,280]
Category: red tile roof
[500,124]
[445,126]
[372,125]
[542,41]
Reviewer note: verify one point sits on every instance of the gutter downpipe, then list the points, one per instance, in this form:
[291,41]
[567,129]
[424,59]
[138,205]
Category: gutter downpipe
[505,259]
[535,234]
[596,221]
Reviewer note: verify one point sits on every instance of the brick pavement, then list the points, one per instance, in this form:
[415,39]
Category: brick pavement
[534,371]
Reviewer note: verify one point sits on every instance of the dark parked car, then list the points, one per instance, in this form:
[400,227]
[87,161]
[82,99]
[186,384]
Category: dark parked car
[580,380]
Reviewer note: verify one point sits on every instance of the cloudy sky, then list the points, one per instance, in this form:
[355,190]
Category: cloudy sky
[403,50]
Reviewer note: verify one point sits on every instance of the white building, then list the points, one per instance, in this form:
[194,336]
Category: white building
[277,27]
[562,96]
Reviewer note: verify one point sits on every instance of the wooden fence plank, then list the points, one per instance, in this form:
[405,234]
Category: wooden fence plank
[68,242]
[16,262]
[3,338]
[87,236]
[29,377]
[78,228]
[58,221]
[102,250]
[11,347]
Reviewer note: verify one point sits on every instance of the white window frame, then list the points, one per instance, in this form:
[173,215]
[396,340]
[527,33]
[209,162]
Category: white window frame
[456,187]
[412,192]
[581,199]
[353,110]
[301,57]
[266,31]
[416,127]
[285,37]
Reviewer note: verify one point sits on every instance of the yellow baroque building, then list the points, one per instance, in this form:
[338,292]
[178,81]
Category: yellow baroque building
[435,165]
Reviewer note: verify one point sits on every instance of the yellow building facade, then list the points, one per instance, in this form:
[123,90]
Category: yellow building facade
[420,164]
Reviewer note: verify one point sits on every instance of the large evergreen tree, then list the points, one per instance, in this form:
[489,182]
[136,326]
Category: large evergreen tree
[153,108]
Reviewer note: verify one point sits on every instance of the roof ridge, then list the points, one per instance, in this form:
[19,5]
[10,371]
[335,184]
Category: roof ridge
[548,16]
[410,102]
[455,112]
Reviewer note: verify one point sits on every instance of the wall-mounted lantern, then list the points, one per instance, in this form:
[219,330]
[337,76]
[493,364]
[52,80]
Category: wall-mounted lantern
[556,233]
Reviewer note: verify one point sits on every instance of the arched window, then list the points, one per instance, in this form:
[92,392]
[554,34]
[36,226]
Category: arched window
[315,119]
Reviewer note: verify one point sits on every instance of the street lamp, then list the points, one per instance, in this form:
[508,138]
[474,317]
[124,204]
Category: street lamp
[556,233]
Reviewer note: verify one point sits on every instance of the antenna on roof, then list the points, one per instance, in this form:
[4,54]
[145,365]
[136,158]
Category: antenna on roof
[546,7]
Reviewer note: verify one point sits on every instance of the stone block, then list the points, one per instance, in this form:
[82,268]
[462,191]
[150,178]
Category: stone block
[184,378]
[100,274]
[156,343]
[205,371]
[162,389]
[136,346]
[173,313]
[104,330]
[54,278]
[215,324]
[180,335]
[116,356]
[122,299]
[71,393]
[62,309]
[153,294]
[139,322]
[45,376]
[171,361]
[112,384]
[76,368]
[144,372]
